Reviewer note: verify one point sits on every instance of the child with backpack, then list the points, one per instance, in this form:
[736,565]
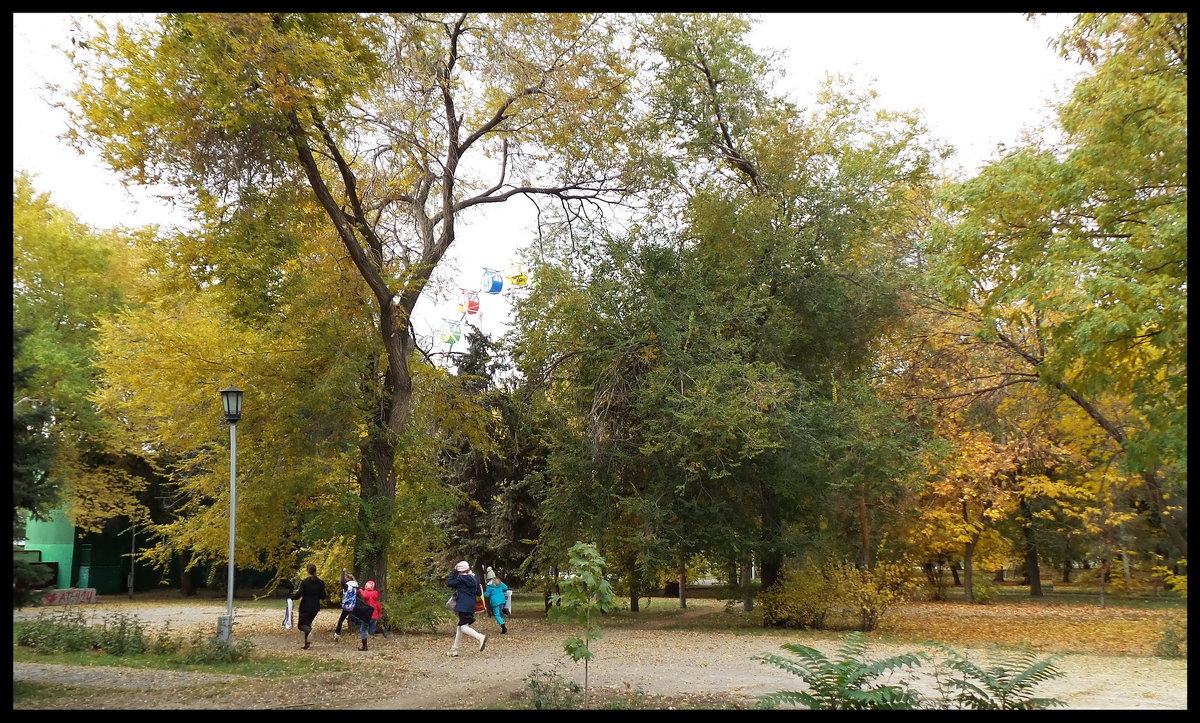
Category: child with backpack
[349,597]
[369,621]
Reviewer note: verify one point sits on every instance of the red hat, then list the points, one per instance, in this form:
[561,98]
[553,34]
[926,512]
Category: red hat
[370,585]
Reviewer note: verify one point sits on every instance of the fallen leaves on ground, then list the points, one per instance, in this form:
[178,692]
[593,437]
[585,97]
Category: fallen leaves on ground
[1046,628]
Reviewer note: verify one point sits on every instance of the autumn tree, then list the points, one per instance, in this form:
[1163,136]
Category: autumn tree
[765,280]
[399,125]
[66,278]
[647,409]
[307,342]
[1072,260]
[35,491]
[797,213]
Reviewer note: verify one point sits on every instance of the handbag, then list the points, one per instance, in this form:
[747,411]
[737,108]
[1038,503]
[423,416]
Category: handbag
[363,610]
[450,602]
[479,604]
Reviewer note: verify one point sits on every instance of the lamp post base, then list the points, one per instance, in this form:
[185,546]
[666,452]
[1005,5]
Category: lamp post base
[225,628]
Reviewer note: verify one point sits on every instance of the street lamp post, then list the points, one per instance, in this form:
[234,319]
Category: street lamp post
[232,399]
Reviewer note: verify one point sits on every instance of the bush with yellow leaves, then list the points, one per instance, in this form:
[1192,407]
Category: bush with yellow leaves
[836,595]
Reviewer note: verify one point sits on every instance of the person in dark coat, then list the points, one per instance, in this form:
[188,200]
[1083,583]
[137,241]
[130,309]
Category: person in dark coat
[310,593]
[466,590]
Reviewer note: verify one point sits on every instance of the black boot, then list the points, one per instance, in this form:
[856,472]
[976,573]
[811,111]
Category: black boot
[503,629]
[364,644]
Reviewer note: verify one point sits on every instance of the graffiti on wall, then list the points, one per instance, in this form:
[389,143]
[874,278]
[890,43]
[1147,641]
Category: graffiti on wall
[70,596]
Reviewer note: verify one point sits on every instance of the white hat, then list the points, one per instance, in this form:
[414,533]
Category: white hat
[462,566]
[351,583]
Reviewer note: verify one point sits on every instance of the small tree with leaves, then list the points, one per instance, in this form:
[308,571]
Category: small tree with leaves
[582,597]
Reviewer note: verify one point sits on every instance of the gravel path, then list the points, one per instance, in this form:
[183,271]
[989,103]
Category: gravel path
[681,668]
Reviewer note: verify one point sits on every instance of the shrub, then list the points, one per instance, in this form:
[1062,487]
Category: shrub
[421,609]
[849,682]
[1177,582]
[122,634]
[876,589]
[836,595]
[798,601]
[936,574]
[1006,682]
[64,631]
[735,593]
[1171,644]
[846,683]
[164,643]
[549,691]
[215,650]
[29,583]
[985,591]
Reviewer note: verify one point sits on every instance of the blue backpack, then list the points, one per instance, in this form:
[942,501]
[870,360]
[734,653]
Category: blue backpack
[349,598]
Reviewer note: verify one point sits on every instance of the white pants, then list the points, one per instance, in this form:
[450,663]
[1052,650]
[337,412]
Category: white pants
[458,633]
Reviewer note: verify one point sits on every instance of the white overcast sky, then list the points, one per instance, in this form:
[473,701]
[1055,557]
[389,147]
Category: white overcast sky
[978,79]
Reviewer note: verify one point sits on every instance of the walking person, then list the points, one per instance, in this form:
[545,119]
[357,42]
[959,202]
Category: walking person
[466,590]
[371,595]
[348,583]
[495,592]
[488,575]
[310,593]
[366,611]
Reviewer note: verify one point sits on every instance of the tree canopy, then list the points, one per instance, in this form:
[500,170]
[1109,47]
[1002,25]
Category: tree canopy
[757,335]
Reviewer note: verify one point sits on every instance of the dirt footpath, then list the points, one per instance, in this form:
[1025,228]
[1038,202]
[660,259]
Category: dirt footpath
[671,668]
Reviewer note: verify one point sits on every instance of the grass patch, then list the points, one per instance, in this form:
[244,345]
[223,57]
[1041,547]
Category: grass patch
[163,654]
[264,666]
[24,692]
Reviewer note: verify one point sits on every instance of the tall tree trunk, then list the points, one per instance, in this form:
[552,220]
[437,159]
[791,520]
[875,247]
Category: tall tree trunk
[635,591]
[1105,566]
[553,587]
[187,578]
[968,558]
[1031,554]
[394,314]
[1066,570]
[968,572]
[864,528]
[770,560]
[682,584]
[747,597]
[377,457]
[954,567]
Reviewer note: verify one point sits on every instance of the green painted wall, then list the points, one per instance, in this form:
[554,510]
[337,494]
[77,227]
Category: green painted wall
[55,537]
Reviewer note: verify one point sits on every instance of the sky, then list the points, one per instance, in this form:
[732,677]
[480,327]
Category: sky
[979,79]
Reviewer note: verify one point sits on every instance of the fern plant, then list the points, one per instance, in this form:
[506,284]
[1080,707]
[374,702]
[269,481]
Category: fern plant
[845,683]
[1005,682]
